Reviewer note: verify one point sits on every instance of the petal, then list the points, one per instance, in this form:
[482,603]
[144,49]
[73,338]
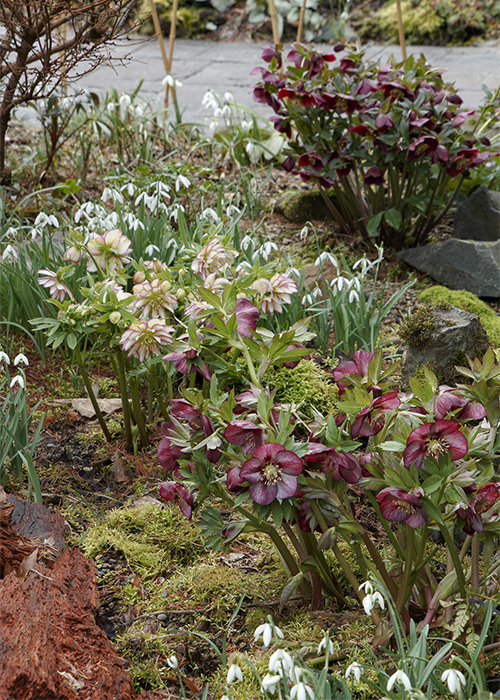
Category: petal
[263,494]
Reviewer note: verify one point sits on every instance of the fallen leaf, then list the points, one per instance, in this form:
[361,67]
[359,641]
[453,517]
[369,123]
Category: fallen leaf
[85,408]
[118,473]
[72,416]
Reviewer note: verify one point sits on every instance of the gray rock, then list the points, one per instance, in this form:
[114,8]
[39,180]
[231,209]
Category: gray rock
[300,207]
[473,266]
[478,218]
[453,334]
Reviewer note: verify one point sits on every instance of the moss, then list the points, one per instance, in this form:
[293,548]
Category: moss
[418,328]
[420,22]
[149,537]
[467,302]
[307,384]
[304,206]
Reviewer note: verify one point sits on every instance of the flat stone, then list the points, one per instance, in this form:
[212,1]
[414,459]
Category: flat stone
[473,266]
[478,218]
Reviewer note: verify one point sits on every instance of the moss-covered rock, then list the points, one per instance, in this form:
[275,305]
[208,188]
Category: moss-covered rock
[467,302]
[300,207]
[306,384]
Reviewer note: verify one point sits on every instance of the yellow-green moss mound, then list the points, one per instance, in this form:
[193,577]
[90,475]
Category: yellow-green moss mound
[307,384]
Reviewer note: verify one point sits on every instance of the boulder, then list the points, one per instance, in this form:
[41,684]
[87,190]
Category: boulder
[447,336]
[460,264]
[478,218]
[301,207]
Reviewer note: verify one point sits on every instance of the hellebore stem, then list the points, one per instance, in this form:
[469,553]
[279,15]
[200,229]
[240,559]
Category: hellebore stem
[119,369]
[92,397]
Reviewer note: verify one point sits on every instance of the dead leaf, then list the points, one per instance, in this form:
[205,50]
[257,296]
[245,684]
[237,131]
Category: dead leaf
[72,416]
[192,687]
[118,473]
[26,565]
[85,408]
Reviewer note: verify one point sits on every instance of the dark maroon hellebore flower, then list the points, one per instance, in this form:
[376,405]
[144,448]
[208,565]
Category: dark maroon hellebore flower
[272,473]
[183,410]
[187,363]
[485,498]
[212,453]
[447,401]
[343,466]
[371,419]
[421,147]
[374,176]
[358,365]
[172,491]
[339,102]
[397,505]
[434,439]
[168,454]
[247,316]
[245,434]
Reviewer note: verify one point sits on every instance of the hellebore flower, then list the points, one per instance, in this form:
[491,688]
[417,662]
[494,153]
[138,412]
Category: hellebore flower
[432,440]
[422,147]
[172,491]
[109,250]
[358,366]
[485,498]
[274,292]
[455,680]
[374,176]
[383,122]
[212,451]
[247,316]
[168,454]
[310,160]
[371,419]
[447,401]
[213,257]
[154,298]
[339,102]
[268,53]
[272,473]
[293,363]
[245,434]
[144,338]
[234,481]
[400,506]
[51,281]
[343,466]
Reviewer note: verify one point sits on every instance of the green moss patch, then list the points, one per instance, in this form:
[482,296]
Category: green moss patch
[306,384]
[467,302]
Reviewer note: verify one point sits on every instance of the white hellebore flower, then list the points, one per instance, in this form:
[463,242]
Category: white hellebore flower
[455,679]
[234,672]
[21,358]
[172,662]
[355,669]
[399,677]
[18,379]
[322,645]
[266,630]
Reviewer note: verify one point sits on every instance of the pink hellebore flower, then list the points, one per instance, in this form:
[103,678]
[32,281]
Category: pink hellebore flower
[172,491]
[274,292]
[247,316]
[168,454]
[57,289]
[145,338]
[154,298]
[432,440]
[187,363]
[246,434]
[371,419]
[109,250]
[485,498]
[400,506]
[447,401]
[183,410]
[357,366]
[213,257]
[343,466]
[272,473]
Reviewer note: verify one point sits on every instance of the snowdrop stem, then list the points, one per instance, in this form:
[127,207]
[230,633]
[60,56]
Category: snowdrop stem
[474,561]
[92,397]
[119,370]
[380,566]
[353,581]
[407,582]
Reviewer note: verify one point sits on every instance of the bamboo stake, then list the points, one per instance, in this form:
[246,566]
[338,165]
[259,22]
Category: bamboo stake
[274,22]
[171,41]
[401,31]
[301,21]
[159,36]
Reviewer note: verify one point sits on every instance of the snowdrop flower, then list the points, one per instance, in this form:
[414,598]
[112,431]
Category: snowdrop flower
[370,600]
[172,662]
[174,212]
[265,250]
[353,296]
[35,232]
[234,672]
[269,683]
[251,149]
[125,101]
[218,112]
[266,630]
[21,358]
[169,80]
[210,213]
[340,283]
[322,645]
[246,242]
[4,357]
[280,662]
[307,299]
[138,111]
[325,256]
[233,210]
[226,111]
[9,253]
[111,106]
[17,380]
[213,125]
[455,679]
[85,209]
[150,249]
[245,126]
[181,180]
[244,265]
[304,233]
[228,96]
[209,100]
[130,187]
[110,193]
[161,189]
[355,669]
[43,220]
[399,677]
[367,587]
[301,691]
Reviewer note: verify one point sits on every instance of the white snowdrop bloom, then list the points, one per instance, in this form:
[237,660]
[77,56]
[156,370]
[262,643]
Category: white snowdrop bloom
[228,96]
[84,210]
[9,253]
[209,100]
[269,683]
[181,181]
[355,669]
[307,299]
[454,679]
[370,600]
[110,221]
[245,126]
[317,293]
[250,149]
[363,263]
[301,691]
[150,249]
[265,250]
[210,213]
[161,189]
[367,587]
[18,379]
[172,662]
[218,112]
[43,220]
[244,265]
[344,15]
[174,212]
[322,645]
[111,106]
[141,196]
[11,231]
[399,677]
[169,80]
[280,662]
[226,111]
[304,233]
[125,101]
[213,125]
[130,188]
[35,232]
[325,256]
[353,296]
[234,672]
[232,209]
[339,283]
[246,242]
[111,193]
[266,631]
[4,357]
[21,358]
